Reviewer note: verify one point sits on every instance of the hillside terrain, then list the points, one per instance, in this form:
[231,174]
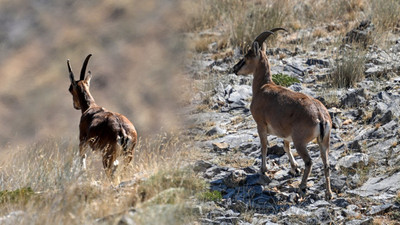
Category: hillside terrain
[352,68]
[167,66]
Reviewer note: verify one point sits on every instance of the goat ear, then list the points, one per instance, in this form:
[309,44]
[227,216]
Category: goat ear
[88,77]
[264,47]
[71,74]
[72,79]
[256,48]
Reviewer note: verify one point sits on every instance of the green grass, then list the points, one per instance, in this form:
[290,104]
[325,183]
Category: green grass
[214,196]
[284,80]
[21,195]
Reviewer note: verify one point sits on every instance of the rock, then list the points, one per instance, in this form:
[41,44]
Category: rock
[367,221]
[235,178]
[295,211]
[338,182]
[215,131]
[341,202]
[379,209]
[227,220]
[383,96]
[322,62]
[354,145]
[354,98]
[220,146]
[239,206]
[295,69]
[383,186]
[239,93]
[127,218]
[375,71]
[323,215]
[360,34]
[352,161]
[380,109]
[201,166]
[387,130]
[250,170]
[297,87]
[213,171]
[16,217]
[276,150]
[386,118]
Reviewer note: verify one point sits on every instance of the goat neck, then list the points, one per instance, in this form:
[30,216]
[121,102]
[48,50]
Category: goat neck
[86,100]
[262,74]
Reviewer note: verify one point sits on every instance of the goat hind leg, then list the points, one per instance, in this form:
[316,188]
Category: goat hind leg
[302,151]
[324,149]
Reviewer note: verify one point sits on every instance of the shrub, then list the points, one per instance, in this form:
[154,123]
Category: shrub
[349,69]
[256,19]
[385,14]
[284,80]
[210,196]
[16,196]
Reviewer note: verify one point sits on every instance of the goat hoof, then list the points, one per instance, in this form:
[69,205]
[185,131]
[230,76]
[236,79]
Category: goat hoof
[295,172]
[302,192]
[263,179]
[328,196]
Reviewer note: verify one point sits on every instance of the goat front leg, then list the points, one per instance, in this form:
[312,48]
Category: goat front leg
[263,134]
[294,166]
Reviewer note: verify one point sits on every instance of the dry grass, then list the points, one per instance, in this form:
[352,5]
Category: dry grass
[71,196]
[242,20]
[349,69]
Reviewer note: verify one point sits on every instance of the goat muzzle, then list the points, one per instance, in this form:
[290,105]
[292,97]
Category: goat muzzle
[238,66]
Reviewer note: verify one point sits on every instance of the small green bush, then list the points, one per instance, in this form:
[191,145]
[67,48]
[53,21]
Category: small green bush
[210,196]
[284,80]
[16,196]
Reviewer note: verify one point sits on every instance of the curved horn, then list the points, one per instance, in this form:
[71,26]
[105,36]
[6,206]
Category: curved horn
[71,74]
[264,35]
[83,70]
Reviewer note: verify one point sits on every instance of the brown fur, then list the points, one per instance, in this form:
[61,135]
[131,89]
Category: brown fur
[287,114]
[110,133]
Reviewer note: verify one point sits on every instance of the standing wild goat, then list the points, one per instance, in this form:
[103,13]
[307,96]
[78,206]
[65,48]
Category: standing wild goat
[287,114]
[111,133]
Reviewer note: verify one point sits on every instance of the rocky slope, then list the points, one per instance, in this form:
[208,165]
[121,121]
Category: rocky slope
[364,154]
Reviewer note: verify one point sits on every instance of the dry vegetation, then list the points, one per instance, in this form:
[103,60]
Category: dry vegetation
[136,64]
[45,179]
[238,21]
[137,59]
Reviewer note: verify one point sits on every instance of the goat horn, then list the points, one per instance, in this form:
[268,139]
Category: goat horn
[264,35]
[83,70]
[71,74]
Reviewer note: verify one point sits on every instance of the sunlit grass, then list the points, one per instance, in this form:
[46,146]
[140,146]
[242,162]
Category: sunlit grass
[46,179]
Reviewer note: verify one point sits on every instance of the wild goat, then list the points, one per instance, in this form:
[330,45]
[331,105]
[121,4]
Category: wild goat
[287,114]
[110,133]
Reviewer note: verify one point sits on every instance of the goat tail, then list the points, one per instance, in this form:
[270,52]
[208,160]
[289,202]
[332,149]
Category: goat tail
[325,129]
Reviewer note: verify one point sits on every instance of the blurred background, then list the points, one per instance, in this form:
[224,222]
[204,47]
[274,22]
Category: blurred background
[137,57]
